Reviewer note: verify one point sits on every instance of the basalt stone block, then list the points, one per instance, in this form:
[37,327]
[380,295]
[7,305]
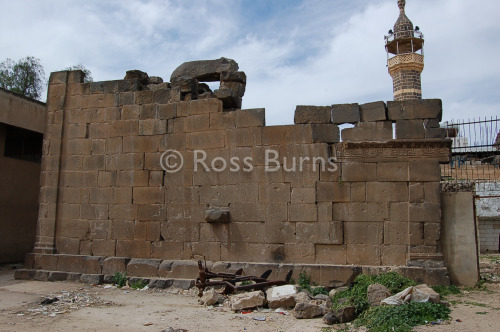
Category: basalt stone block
[410,129]
[205,70]
[229,98]
[183,283]
[57,276]
[137,74]
[233,76]
[368,131]
[312,114]
[160,283]
[376,111]
[143,267]
[435,133]
[325,133]
[345,113]
[111,265]
[92,279]
[415,109]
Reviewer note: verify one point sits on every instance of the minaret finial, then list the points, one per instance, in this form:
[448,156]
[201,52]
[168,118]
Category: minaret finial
[401,5]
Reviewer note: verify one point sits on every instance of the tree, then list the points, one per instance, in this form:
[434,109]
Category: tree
[25,77]
[88,74]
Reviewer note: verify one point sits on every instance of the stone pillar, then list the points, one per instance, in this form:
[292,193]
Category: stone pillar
[51,159]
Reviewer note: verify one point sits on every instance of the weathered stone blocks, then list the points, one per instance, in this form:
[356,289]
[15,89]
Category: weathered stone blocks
[345,113]
[415,109]
[313,114]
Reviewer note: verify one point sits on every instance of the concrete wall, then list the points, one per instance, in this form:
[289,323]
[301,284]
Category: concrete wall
[459,238]
[20,180]
[105,194]
[488,214]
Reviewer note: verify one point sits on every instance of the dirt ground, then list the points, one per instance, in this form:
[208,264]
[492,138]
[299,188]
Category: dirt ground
[97,308]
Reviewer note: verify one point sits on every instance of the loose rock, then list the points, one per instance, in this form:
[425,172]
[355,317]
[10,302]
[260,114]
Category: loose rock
[246,300]
[281,296]
[210,297]
[302,297]
[308,311]
[330,319]
[345,315]
[377,293]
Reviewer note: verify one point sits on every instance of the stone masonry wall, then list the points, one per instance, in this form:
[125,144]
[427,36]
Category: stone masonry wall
[369,203]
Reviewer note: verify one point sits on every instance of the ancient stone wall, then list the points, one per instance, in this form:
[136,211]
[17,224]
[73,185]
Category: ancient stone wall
[252,195]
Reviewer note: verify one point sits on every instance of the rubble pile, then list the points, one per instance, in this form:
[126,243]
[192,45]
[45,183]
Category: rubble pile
[63,302]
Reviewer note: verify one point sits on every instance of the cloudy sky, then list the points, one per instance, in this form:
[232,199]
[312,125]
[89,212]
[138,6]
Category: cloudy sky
[294,52]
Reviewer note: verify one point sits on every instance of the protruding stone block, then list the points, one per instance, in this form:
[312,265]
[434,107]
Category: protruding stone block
[415,109]
[217,215]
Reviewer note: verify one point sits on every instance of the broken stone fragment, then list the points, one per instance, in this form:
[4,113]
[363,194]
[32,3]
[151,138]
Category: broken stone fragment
[247,300]
[281,296]
[229,98]
[330,319]
[302,297]
[142,76]
[219,215]
[377,293]
[155,80]
[205,70]
[210,297]
[308,311]
[433,295]
[345,315]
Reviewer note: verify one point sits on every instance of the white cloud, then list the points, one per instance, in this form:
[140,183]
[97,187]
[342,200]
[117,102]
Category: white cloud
[309,52]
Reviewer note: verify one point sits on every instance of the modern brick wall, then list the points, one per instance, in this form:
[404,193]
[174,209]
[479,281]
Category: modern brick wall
[105,194]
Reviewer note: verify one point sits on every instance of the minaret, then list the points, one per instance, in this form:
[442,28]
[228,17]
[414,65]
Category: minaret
[405,57]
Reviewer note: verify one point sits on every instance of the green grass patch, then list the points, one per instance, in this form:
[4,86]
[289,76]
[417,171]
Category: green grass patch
[356,295]
[139,284]
[402,318]
[447,290]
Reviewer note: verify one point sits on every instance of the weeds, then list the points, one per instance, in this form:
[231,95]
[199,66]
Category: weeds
[356,295]
[404,317]
[139,284]
[120,279]
[447,290]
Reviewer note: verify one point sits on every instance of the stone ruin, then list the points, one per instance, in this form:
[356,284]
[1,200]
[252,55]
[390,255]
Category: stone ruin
[370,203]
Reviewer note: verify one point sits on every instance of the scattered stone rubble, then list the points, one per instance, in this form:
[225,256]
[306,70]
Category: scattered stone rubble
[64,302]
[279,299]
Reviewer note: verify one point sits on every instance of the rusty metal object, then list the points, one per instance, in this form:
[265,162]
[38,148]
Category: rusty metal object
[229,280]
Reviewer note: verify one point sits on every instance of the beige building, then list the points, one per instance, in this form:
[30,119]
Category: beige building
[22,123]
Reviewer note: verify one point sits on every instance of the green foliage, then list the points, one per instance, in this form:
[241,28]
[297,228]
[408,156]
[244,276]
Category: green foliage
[246,282]
[356,295]
[319,290]
[120,279]
[447,290]
[25,77]
[139,284]
[88,75]
[403,317]
[304,281]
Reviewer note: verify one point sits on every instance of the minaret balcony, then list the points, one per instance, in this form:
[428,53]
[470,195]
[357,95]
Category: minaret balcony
[408,61]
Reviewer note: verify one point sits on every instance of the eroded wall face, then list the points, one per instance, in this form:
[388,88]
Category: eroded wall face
[289,194]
